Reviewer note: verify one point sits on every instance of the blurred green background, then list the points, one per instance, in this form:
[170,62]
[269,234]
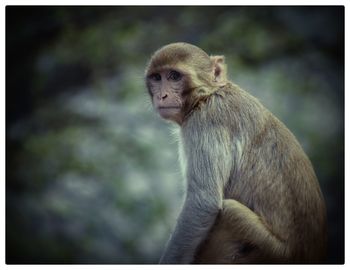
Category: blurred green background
[91,171]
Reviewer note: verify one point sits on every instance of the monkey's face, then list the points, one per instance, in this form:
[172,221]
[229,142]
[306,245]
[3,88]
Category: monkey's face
[166,88]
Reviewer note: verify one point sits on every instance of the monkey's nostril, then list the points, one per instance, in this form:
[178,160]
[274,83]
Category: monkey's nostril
[164,96]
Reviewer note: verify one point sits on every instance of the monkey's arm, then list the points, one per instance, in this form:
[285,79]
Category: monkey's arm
[208,169]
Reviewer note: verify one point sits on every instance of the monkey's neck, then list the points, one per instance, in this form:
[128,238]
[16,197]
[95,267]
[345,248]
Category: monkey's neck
[197,102]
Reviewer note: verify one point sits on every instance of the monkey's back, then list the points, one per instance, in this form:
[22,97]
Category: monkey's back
[270,173]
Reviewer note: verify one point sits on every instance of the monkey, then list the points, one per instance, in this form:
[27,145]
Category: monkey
[252,195]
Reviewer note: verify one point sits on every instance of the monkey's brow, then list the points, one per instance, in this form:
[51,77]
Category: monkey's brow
[158,69]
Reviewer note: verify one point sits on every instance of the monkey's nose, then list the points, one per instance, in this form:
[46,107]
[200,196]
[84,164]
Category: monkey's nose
[163,96]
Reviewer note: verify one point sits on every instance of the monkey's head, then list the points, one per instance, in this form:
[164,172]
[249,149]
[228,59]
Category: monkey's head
[179,76]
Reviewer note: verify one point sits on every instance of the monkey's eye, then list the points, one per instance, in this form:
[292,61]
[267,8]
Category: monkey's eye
[155,77]
[174,75]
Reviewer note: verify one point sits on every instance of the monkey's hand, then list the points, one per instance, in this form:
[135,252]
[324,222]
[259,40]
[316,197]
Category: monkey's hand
[196,219]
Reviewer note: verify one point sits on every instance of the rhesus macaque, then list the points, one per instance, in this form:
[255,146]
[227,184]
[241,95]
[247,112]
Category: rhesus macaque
[252,194]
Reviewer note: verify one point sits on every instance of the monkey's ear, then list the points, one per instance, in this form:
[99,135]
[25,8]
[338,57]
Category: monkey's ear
[219,68]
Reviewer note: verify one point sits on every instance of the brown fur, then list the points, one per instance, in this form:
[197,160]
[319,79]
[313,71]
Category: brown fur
[252,195]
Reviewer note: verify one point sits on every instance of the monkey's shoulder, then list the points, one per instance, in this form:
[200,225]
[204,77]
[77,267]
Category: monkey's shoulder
[234,98]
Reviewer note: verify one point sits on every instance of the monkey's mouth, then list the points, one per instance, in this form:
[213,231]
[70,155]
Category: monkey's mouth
[168,107]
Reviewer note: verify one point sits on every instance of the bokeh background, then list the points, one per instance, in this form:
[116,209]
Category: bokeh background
[91,171]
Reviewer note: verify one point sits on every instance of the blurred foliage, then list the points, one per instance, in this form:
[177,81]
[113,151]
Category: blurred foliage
[91,171]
